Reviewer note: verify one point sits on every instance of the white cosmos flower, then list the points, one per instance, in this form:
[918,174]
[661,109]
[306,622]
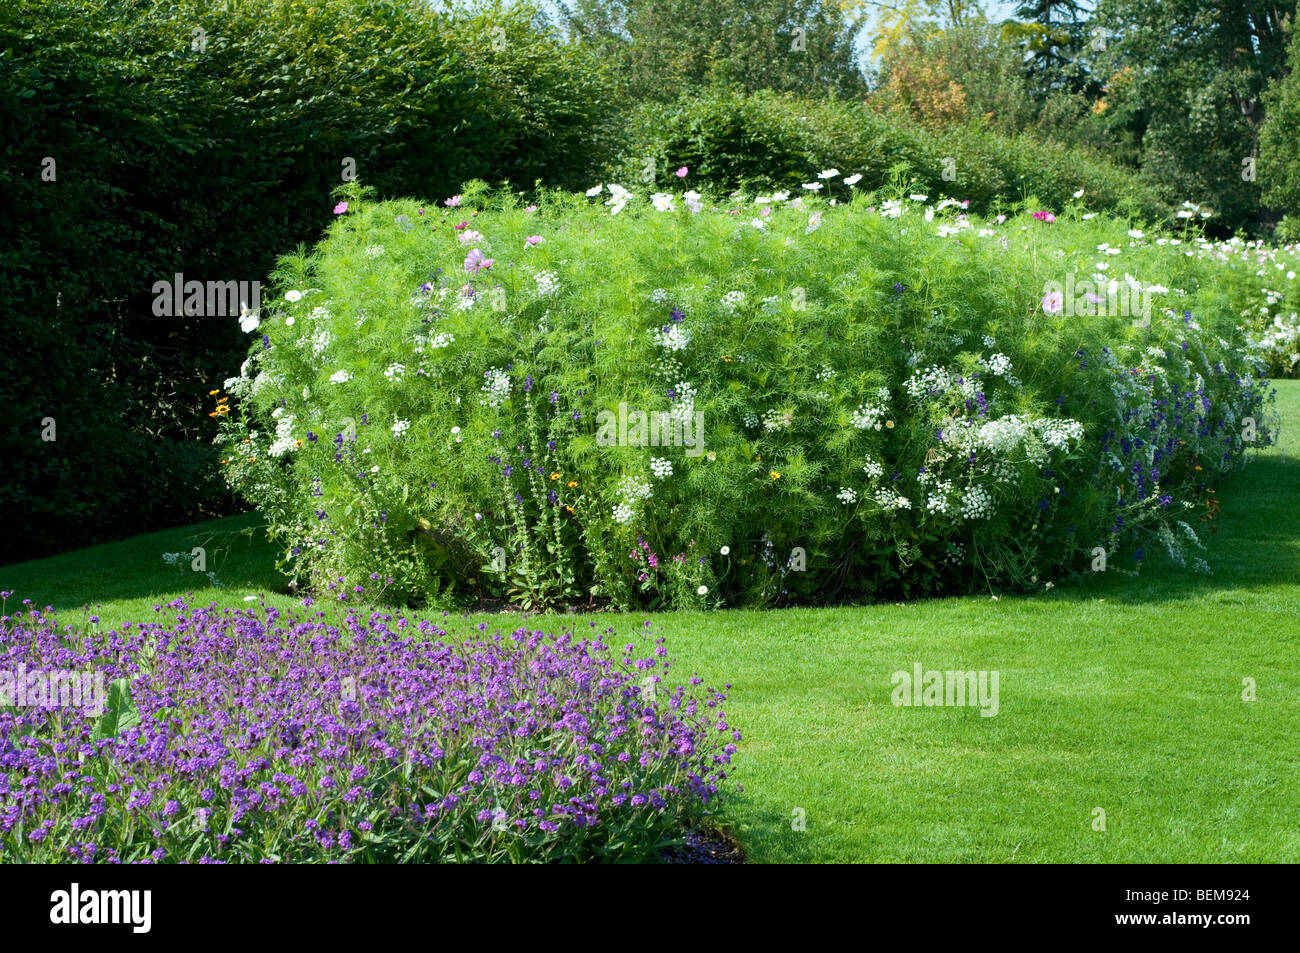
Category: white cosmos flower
[758,223]
[594,192]
[1079,194]
[828,173]
[247,319]
[813,186]
[918,198]
[725,550]
[853,179]
[293,296]
[288,322]
[702,591]
[663,202]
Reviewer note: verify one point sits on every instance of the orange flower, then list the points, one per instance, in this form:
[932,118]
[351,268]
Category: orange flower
[572,484]
[211,392]
[555,476]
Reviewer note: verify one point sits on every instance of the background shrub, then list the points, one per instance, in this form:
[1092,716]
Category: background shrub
[731,140]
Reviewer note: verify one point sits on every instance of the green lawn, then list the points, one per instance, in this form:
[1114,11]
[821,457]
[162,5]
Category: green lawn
[1124,694]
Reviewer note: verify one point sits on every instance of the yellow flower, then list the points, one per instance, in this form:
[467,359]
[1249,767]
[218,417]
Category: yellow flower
[555,476]
[726,358]
[569,508]
[213,392]
[572,484]
[712,455]
[774,475]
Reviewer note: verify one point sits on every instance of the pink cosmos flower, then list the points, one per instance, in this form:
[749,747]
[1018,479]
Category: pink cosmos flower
[452,202]
[340,208]
[533,240]
[681,173]
[1053,302]
[1000,219]
[1045,217]
[531,208]
[475,262]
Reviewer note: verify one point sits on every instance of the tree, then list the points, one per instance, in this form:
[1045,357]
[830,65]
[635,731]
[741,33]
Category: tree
[1279,138]
[1198,74]
[659,46]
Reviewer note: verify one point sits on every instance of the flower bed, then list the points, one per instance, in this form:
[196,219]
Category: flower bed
[667,400]
[251,736]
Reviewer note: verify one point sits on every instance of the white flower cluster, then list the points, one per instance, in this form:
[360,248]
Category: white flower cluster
[826,374]
[496,387]
[440,340]
[871,413]
[1058,434]
[374,251]
[873,469]
[659,296]
[675,337]
[999,365]
[685,406]
[284,441]
[661,467]
[847,495]
[937,501]
[933,378]
[891,500]
[633,491]
[395,372]
[976,503]
[320,342]
[547,283]
[777,420]
[400,427]
[340,377]
[733,300]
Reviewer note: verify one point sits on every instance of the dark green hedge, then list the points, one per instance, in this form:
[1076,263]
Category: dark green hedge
[731,140]
[210,153]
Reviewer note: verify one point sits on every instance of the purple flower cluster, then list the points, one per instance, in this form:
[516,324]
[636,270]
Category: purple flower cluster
[248,735]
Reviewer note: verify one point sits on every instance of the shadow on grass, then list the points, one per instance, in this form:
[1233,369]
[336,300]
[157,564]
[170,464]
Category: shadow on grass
[766,835]
[235,550]
[1253,545]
